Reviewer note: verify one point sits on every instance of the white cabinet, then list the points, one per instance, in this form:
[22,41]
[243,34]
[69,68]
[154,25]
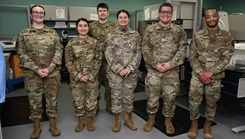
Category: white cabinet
[90,13]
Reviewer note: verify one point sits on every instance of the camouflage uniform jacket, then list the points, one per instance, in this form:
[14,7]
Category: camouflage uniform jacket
[99,32]
[124,50]
[211,53]
[83,58]
[39,48]
[164,44]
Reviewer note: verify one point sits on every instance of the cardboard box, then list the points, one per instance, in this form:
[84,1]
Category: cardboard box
[15,65]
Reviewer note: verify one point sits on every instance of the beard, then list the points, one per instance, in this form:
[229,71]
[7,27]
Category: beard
[212,26]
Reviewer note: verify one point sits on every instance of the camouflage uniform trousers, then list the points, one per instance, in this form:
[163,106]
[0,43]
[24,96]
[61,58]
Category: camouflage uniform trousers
[104,81]
[84,96]
[212,95]
[122,91]
[36,87]
[164,85]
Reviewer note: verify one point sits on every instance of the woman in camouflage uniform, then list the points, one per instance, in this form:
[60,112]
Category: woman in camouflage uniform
[40,53]
[123,55]
[83,60]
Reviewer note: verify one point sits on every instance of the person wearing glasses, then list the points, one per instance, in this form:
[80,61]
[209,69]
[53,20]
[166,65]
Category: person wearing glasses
[210,53]
[99,30]
[40,52]
[123,55]
[163,48]
[83,60]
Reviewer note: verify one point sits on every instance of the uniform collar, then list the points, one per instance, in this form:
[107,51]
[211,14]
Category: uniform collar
[206,32]
[159,26]
[44,29]
[127,30]
[106,24]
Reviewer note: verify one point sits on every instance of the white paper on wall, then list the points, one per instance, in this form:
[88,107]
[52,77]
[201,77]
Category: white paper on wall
[154,14]
[147,14]
[60,12]
[93,16]
[175,9]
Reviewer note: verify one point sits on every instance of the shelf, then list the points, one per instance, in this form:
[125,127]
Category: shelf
[63,27]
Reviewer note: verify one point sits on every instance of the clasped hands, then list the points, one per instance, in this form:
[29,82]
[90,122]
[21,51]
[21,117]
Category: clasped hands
[43,72]
[162,67]
[84,79]
[125,72]
[205,76]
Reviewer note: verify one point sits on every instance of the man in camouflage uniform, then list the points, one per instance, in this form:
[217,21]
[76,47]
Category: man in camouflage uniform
[123,55]
[99,30]
[164,48]
[40,53]
[83,60]
[210,53]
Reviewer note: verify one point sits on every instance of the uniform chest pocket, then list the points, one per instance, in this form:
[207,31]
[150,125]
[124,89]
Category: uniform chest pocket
[131,46]
[220,49]
[43,41]
[221,45]
[77,51]
[84,52]
[156,40]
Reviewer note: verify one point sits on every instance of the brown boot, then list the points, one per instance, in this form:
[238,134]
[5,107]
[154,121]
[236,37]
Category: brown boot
[169,125]
[108,106]
[90,124]
[150,122]
[37,129]
[192,134]
[80,124]
[52,127]
[128,121]
[207,130]
[116,122]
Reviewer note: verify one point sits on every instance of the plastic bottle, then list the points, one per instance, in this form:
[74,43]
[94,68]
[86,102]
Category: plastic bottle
[10,73]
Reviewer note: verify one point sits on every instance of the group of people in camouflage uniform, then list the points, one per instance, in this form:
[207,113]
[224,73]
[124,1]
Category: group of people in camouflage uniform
[110,54]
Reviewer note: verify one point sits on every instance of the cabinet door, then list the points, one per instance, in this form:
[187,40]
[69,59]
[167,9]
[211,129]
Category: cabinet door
[90,13]
[231,83]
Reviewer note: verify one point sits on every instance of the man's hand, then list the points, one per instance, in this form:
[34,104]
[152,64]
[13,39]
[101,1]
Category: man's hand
[166,66]
[205,76]
[125,72]
[84,79]
[160,68]
[163,67]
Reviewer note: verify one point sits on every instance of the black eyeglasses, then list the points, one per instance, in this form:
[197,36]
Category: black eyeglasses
[36,13]
[166,12]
